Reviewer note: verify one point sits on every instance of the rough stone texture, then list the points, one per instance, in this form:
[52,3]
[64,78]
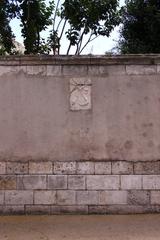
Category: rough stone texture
[147,168]
[66,197]
[7,182]
[97,209]
[141,69]
[37,209]
[1,197]
[87,197]
[17,168]
[112,197]
[85,168]
[45,197]
[155,197]
[64,167]
[57,182]
[18,197]
[76,182]
[131,182]
[122,167]
[136,197]
[103,182]
[40,167]
[75,209]
[103,168]
[31,182]
[12,210]
[151,182]
[2,167]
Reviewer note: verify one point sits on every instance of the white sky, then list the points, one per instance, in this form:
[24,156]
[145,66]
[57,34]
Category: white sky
[98,46]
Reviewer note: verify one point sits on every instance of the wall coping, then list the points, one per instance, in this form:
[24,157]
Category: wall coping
[138,59]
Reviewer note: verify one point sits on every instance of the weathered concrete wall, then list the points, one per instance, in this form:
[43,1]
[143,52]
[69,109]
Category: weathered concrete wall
[80,134]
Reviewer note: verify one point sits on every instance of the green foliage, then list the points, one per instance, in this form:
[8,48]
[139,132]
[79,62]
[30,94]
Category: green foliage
[140,32]
[7,12]
[35,16]
[93,18]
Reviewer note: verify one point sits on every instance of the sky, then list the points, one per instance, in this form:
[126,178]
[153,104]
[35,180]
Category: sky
[98,46]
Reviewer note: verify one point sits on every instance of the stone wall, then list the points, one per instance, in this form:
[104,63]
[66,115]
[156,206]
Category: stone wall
[79,134]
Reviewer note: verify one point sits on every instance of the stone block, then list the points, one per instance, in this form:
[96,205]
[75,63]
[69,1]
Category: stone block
[112,197]
[17,168]
[37,70]
[147,168]
[67,197]
[12,210]
[131,182]
[37,210]
[138,197]
[45,197]
[31,182]
[108,70]
[155,197]
[8,182]
[54,70]
[69,209]
[97,209]
[57,182]
[151,182]
[125,209]
[85,167]
[64,167]
[1,197]
[2,168]
[76,182]
[87,197]
[141,69]
[100,182]
[122,167]
[73,70]
[40,167]
[102,168]
[18,197]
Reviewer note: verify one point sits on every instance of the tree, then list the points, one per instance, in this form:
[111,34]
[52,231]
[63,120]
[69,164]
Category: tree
[35,17]
[7,12]
[79,19]
[140,32]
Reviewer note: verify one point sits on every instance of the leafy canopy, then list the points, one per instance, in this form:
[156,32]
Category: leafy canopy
[140,32]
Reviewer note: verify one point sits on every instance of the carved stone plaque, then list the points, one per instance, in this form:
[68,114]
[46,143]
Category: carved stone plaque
[80,94]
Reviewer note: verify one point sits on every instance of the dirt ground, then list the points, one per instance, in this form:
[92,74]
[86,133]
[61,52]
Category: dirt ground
[95,227]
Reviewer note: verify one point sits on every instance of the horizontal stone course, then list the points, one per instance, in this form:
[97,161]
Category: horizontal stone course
[82,187]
